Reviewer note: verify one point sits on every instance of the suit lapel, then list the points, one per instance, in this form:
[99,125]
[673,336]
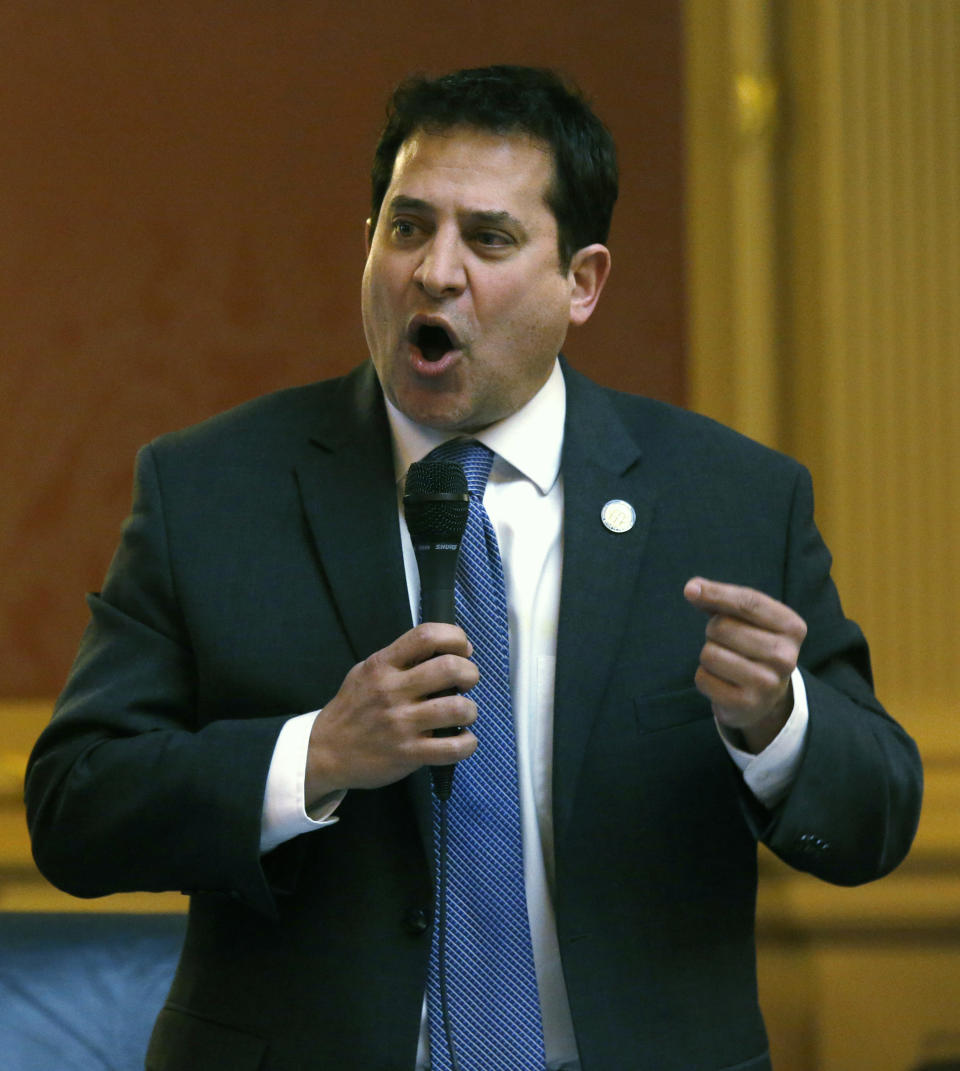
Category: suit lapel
[601,462]
[348,492]
[349,496]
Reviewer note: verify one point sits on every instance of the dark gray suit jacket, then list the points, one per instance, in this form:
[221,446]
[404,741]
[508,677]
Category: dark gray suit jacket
[262,560]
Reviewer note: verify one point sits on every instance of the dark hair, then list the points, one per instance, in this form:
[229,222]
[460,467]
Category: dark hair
[506,100]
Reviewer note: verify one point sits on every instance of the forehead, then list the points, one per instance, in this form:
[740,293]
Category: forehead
[470,165]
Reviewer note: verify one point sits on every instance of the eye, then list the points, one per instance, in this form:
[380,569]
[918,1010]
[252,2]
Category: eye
[492,240]
[403,228]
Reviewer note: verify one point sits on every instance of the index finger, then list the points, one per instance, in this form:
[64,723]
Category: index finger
[427,640]
[745,604]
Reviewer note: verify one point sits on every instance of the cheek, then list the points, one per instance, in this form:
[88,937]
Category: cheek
[517,309]
[383,272]
[542,323]
[376,323]
[376,297]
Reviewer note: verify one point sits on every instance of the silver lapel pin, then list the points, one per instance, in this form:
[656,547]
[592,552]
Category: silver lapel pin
[618,516]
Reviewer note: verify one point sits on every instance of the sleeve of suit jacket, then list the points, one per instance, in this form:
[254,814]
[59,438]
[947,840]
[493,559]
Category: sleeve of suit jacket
[830,824]
[149,777]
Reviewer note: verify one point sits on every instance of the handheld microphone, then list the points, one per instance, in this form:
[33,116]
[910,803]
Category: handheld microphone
[436,503]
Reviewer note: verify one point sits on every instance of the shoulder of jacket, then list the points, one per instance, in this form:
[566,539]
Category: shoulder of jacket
[663,427]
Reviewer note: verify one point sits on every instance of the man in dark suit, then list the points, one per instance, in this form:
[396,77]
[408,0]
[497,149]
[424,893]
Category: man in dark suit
[251,713]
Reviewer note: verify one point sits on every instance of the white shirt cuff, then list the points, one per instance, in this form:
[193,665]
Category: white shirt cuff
[284,814]
[770,774]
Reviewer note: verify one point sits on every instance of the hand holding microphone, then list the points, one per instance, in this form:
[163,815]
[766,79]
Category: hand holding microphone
[403,707]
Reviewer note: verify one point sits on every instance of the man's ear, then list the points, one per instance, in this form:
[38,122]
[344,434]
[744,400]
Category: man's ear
[367,236]
[589,268]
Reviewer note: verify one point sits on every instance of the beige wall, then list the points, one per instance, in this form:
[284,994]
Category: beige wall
[824,279]
[824,274]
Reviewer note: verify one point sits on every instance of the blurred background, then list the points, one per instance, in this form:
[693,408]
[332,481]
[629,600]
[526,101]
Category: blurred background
[182,195]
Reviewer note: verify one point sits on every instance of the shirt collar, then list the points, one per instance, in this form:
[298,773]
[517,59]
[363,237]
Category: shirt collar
[530,439]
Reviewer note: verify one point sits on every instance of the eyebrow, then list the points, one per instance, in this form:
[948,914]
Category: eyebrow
[403,203]
[494,218]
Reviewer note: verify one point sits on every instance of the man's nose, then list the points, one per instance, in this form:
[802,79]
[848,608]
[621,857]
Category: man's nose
[441,271]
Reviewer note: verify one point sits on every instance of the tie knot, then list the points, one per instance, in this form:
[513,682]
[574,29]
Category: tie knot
[475,459]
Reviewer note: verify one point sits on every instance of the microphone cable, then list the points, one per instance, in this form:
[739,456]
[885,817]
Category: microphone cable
[441,923]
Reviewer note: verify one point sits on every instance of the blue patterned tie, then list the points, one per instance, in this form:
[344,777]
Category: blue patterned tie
[491,985]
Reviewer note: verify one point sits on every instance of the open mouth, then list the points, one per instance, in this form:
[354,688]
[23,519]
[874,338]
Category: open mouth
[432,340]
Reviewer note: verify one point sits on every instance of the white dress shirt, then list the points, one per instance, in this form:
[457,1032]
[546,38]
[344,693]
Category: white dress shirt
[524,499]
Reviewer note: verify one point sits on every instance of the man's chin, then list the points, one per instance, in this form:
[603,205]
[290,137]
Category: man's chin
[442,415]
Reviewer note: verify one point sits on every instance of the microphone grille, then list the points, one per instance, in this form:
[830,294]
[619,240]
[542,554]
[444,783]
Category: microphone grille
[436,501]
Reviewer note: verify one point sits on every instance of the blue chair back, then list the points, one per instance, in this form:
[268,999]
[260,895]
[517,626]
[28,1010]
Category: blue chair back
[80,992]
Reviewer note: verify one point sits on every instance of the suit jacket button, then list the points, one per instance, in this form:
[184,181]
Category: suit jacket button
[416,920]
[811,844]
